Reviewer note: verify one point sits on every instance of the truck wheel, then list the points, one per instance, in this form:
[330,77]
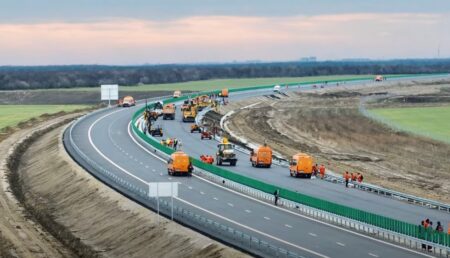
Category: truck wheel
[268,166]
[253,164]
[233,163]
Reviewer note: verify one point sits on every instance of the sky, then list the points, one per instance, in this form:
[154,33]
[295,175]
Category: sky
[133,32]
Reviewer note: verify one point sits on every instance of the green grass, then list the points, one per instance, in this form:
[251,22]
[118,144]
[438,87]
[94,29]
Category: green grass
[433,122]
[225,83]
[11,115]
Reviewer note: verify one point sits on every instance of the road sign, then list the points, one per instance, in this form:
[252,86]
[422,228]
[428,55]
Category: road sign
[110,92]
[163,189]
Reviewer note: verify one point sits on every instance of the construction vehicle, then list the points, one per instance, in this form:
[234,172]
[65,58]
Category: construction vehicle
[207,159]
[277,88]
[177,94]
[379,78]
[206,135]
[190,113]
[223,93]
[155,131]
[168,112]
[202,102]
[179,164]
[262,157]
[225,153]
[150,115]
[158,108]
[127,101]
[301,165]
[196,128]
[185,105]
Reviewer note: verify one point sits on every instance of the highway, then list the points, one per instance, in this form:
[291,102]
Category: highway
[278,175]
[105,137]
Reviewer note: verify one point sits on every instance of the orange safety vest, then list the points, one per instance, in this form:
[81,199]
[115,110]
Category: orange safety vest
[322,169]
[346,176]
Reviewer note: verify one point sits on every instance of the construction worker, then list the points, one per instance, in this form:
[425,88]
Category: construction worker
[175,143]
[315,169]
[276,194]
[448,226]
[439,227]
[353,176]
[360,178]
[168,142]
[322,171]
[346,177]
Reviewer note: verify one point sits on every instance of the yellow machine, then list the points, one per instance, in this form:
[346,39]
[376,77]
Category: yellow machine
[179,164]
[262,157]
[301,165]
[225,153]
[224,93]
[190,113]
[168,112]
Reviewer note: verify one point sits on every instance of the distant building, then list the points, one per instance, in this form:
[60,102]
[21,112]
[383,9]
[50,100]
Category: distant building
[308,59]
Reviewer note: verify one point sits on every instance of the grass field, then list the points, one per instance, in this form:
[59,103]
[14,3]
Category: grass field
[225,83]
[11,115]
[433,122]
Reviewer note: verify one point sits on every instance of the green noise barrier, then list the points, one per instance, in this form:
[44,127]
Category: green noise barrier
[394,225]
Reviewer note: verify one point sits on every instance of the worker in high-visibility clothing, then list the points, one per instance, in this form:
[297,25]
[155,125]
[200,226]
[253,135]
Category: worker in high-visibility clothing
[346,177]
[322,171]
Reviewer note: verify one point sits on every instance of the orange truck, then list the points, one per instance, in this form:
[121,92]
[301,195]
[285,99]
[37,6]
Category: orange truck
[262,157]
[224,93]
[301,165]
[168,111]
[179,164]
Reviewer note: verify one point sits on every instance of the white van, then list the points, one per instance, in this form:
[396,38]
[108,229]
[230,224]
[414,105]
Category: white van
[276,88]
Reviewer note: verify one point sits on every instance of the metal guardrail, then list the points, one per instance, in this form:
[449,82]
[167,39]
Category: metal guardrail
[139,190]
[317,214]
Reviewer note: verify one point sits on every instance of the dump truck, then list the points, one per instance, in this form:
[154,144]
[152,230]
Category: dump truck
[301,165]
[224,93]
[168,111]
[225,153]
[127,101]
[179,164]
[262,157]
[177,94]
[190,113]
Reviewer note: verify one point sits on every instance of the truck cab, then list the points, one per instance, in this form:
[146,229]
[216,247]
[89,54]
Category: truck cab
[277,88]
[225,153]
[301,165]
[177,94]
[169,111]
[179,164]
[262,157]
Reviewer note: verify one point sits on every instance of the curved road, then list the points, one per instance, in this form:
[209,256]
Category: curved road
[106,138]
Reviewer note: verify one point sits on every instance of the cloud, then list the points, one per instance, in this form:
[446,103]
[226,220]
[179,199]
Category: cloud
[224,38]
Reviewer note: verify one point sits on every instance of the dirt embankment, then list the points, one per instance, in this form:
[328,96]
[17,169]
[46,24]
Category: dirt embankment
[330,127]
[94,220]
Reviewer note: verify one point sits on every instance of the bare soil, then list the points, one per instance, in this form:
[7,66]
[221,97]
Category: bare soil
[93,219]
[328,125]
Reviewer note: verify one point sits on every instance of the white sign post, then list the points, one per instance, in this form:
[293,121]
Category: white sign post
[163,189]
[110,92]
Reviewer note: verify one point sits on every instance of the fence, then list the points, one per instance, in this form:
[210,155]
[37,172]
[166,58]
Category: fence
[383,222]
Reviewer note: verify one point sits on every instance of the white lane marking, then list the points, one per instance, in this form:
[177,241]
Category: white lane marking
[170,178]
[230,204]
[312,234]
[341,244]
[141,163]
[190,187]
[281,209]
[131,156]
[215,198]
[103,155]
[374,255]
[202,193]
[288,226]
[254,230]
[248,211]
[266,218]
[160,174]
[146,166]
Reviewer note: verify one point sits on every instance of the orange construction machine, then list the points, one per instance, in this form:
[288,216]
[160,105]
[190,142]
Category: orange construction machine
[207,159]
[179,164]
[301,165]
[168,112]
[262,157]
[224,93]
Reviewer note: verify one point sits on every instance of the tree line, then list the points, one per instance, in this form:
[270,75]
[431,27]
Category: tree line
[49,77]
